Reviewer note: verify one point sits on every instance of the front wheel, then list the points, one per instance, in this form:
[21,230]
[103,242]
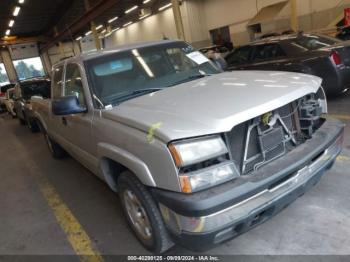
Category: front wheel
[142,214]
[32,125]
[21,121]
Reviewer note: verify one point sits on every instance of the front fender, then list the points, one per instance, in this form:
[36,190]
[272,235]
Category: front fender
[130,161]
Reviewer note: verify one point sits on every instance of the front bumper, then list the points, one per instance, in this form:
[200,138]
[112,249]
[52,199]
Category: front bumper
[207,218]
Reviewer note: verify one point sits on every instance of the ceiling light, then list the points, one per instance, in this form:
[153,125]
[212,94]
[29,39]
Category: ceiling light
[146,1]
[8,31]
[131,9]
[99,27]
[11,23]
[88,33]
[112,19]
[78,38]
[111,32]
[165,7]
[16,11]
[103,31]
[125,25]
[144,16]
[136,53]
[21,1]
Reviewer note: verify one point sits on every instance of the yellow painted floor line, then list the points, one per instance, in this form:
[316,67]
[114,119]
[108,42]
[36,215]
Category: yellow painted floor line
[340,116]
[343,158]
[76,235]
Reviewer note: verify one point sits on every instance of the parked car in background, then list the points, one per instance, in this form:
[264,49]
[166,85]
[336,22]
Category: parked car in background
[275,34]
[24,91]
[343,33]
[3,90]
[197,156]
[9,102]
[217,59]
[323,56]
[269,35]
[222,50]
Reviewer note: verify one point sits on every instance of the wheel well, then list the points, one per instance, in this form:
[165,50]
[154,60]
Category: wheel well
[111,171]
[40,125]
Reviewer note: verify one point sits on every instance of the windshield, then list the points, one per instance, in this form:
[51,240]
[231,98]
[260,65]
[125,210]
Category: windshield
[37,88]
[314,42]
[125,75]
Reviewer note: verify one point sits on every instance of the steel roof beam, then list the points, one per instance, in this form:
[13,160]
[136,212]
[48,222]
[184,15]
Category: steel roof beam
[81,22]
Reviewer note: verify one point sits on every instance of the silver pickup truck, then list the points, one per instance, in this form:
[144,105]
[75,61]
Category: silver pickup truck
[196,155]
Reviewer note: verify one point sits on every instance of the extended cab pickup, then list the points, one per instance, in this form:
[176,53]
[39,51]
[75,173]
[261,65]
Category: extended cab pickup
[197,156]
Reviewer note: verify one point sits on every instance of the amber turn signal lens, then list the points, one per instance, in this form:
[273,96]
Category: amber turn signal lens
[185,184]
[176,156]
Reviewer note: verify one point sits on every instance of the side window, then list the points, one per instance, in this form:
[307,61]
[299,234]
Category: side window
[57,82]
[240,55]
[73,84]
[264,52]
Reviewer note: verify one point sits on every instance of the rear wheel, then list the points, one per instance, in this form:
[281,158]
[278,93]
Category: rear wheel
[142,214]
[55,149]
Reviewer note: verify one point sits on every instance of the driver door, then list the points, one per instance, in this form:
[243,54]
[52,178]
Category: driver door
[77,129]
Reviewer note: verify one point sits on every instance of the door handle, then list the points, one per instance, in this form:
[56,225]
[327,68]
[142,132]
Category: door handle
[64,121]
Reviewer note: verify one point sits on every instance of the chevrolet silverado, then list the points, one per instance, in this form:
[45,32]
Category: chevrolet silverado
[196,155]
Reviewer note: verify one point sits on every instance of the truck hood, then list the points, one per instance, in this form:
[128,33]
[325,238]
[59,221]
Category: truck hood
[213,104]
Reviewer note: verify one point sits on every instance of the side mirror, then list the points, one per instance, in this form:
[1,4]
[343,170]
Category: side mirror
[68,105]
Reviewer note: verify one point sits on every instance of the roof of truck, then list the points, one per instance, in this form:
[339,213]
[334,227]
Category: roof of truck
[120,48]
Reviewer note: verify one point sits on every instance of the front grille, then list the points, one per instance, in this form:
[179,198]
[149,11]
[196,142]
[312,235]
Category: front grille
[265,138]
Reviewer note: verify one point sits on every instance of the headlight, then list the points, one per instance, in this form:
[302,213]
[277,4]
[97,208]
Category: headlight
[194,151]
[207,177]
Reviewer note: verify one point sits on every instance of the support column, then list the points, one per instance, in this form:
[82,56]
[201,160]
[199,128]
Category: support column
[47,63]
[178,20]
[10,69]
[60,45]
[93,28]
[95,36]
[294,22]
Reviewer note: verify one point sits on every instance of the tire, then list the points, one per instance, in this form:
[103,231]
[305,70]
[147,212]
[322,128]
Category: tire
[32,125]
[21,121]
[148,213]
[55,149]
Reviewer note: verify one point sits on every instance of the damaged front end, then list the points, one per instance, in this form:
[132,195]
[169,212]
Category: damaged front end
[278,156]
[273,134]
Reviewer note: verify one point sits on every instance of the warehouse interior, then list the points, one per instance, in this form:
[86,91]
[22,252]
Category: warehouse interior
[53,207]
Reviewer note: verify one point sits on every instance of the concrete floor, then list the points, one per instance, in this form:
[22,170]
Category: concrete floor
[317,223]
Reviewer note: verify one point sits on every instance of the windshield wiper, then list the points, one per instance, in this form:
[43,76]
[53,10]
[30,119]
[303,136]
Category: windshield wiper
[135,93]
[190,78]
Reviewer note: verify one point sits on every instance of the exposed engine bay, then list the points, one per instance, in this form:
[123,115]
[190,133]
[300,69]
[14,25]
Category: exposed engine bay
[275,133]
